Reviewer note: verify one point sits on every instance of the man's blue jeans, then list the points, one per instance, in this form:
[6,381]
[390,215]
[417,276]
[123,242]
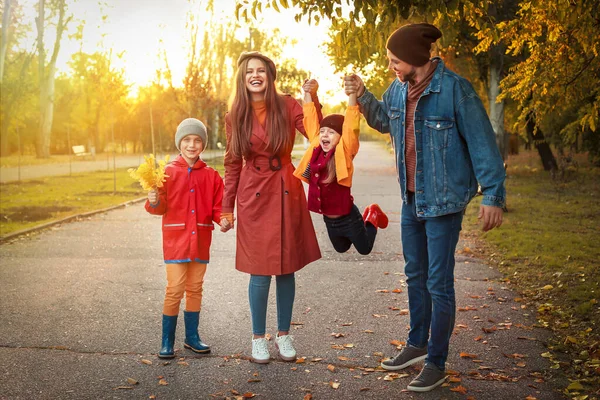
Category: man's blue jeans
[258,293]
[428,245]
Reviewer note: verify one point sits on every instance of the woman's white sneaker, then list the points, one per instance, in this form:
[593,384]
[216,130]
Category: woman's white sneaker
[260,351]
[285,347]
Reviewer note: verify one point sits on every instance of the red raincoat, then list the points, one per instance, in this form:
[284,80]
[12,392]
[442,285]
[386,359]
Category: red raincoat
[189,202]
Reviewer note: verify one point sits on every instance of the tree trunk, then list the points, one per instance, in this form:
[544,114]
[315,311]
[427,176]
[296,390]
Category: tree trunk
[47,79]
[4,45]
[542,146]
[497,108]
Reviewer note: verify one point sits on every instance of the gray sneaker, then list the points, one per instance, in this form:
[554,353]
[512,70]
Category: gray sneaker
[408,356]
[428,379]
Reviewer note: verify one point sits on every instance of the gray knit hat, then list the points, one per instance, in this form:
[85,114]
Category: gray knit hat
[190,126]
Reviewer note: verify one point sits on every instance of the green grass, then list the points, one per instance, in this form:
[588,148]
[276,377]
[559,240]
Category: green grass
[549,247]
[38,201]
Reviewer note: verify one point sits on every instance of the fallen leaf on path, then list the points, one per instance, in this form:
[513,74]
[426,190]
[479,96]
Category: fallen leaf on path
[459,389]
[337,347]
[364,389]
[397,290]
[462,326]
[403,312]
[515,355]
[183,363]
[347,323]
[478,338]
[368,331]
[248,395]
[467,308]
[521,364]
[234,392]
[452,372]
[467,355]
[489,330]
[378,354]
[254,380]
[163,382]
[454,379]
[317,359]
[342,358]
[382,291]
[308,396]
[548,287]
[132,381]
[331,368]
[575,386]
[147,362]
[379,315]
[337,335]
[301,360]
[334,385]
[297,323]
[476,296]
[530,398]
[397,343]
[393,308]
[349,345]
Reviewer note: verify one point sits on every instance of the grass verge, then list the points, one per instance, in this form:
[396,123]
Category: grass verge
[38,201]
[549,247]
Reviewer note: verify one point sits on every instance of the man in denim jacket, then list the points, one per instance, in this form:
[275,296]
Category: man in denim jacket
[444,146]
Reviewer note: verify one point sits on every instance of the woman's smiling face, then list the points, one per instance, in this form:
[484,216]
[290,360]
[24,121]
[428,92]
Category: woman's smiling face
[256,76]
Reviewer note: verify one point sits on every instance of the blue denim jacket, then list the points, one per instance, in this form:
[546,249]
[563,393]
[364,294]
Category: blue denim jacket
[455,143]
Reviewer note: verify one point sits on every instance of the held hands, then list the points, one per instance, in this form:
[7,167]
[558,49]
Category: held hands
[491,217]
[153,197]
[226,222]
[353,84]
[311,86]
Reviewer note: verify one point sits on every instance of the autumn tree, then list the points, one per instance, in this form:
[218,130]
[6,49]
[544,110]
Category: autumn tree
[18,81]
[557,84]
[58,12]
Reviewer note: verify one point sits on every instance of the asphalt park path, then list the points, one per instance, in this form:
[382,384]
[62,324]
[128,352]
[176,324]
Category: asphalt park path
[81,313]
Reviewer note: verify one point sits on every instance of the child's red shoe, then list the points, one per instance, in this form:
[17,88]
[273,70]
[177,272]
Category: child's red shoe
[375,216]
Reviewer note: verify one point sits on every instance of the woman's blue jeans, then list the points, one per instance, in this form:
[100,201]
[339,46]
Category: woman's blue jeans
[428,245]
[258,292]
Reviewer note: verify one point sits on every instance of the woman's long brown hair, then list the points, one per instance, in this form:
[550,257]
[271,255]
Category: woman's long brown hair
[277,122]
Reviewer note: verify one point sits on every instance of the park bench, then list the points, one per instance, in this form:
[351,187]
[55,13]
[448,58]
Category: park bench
[79,151]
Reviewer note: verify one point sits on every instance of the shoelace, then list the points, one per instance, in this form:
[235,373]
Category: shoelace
[285,343]
[262,347]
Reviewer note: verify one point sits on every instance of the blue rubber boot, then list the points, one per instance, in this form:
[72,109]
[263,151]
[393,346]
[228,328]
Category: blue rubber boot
[192,339]
[169,324]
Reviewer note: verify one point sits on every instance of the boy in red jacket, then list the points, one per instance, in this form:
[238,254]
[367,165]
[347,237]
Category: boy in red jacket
[189,202]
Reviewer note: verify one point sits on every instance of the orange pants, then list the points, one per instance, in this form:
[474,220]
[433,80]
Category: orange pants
[184,277]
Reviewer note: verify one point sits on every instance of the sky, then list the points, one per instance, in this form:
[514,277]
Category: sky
[137,26]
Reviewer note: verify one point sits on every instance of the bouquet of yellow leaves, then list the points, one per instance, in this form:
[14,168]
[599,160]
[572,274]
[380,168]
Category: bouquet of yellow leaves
[150,174]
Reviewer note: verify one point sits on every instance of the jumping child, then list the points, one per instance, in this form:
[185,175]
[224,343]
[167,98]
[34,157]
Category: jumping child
[327,168]
[189,202]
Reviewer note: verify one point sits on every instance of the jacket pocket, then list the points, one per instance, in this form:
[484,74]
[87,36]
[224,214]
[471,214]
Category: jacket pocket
[210,226]
[439,133]
[394,113]
[174,227]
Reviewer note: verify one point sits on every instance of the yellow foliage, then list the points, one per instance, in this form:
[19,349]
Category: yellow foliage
[150,174]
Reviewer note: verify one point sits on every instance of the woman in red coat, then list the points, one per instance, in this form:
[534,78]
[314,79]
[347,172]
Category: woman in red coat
[275,234]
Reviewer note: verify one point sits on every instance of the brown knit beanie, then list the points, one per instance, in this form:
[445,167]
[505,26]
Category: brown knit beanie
[412,43]
[257,54]
[333,121]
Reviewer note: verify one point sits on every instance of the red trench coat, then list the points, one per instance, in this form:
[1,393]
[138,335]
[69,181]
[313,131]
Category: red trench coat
[275,234]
